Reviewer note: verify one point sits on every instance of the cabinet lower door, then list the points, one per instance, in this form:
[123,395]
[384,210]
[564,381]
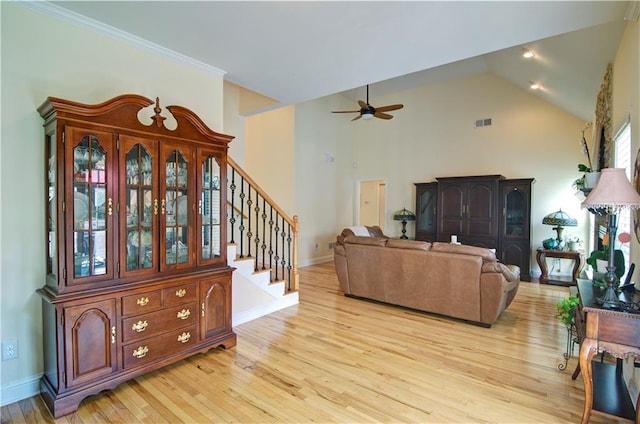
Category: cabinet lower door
[90,342]
[517,253]
[215,313]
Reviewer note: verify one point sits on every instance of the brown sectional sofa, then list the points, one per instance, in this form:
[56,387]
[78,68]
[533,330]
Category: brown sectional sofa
[459,281]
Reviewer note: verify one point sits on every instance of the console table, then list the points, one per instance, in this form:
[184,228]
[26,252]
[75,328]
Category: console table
[614,332]
[575,256]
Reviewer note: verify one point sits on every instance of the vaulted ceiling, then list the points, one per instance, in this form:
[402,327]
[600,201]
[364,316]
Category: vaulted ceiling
[294,51]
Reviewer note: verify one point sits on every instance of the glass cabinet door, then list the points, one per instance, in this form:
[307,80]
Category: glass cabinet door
[138,187]
[209,209]
[426,211]
[515,212]
[427,202]
[177,207]
[92,205]
[52,205]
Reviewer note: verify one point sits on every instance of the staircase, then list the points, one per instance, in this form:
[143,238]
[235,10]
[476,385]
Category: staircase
[262,246]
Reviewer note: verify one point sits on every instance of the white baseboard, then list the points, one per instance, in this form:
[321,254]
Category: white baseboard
[315,261]
[22,390]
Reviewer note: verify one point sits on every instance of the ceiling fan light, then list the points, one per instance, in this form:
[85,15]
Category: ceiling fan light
[528,54]
[534,85]
[367,115]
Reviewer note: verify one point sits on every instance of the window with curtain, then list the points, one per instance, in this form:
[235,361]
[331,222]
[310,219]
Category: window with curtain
[622,144]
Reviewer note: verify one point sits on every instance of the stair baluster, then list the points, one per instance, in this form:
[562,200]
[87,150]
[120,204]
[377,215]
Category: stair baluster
[271,231]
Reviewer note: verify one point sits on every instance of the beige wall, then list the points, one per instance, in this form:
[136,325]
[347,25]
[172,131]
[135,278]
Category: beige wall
[433,136]
[42,56]
[270,154]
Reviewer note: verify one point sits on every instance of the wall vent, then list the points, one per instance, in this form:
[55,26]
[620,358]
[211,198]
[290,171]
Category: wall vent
[483,122]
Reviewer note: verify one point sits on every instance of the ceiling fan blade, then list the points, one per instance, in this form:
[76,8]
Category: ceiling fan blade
[363,105]
[382,115]
[357,117]
[389,108]
[345,111]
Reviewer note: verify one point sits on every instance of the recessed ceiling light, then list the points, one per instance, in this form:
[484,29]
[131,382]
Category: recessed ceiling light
[526,53]
[534,85]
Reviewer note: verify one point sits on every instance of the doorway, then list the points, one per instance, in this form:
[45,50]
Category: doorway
[372,203]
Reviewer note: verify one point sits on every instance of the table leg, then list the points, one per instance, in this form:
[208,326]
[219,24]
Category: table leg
[588,349]
[578,264]
[541,257]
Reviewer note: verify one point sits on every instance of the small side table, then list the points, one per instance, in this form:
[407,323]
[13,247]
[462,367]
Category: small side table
[578,264]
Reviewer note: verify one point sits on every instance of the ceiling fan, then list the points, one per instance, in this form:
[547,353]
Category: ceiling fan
[368,112]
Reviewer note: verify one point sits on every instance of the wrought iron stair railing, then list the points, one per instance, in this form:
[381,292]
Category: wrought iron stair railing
[260,229]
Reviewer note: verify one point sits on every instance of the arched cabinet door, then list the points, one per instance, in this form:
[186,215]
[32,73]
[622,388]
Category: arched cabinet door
[215,307]
[89,206]
[211,209]
[140,206]
[177,206]
[90,337]
[515,224]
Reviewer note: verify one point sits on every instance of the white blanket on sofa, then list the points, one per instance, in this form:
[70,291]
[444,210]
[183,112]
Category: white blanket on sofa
[360,230]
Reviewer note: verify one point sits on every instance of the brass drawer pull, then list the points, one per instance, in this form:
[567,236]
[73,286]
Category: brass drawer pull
[140,352]
[184,337]
[181,293]
[140,326]
[184,314]
[142,301]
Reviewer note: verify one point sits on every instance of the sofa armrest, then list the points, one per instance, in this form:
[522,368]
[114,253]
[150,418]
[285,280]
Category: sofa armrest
[510,272]
[498,287]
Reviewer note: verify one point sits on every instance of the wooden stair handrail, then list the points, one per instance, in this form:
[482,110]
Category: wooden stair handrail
[292,221]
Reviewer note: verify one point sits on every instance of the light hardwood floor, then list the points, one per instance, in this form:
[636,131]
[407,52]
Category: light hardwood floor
[337,359]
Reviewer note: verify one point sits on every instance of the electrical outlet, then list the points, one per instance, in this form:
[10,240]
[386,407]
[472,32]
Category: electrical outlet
[9,350]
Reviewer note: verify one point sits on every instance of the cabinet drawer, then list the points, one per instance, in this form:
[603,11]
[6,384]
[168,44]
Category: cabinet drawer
[141,303]
[179,294]
[149,350]
[147,325]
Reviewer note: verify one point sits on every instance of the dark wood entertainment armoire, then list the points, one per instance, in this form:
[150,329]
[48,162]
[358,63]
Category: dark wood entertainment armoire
[487,210]
[137,274]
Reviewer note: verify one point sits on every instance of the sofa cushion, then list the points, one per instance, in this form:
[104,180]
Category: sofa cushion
[372,241]
[486,254]
[408,244]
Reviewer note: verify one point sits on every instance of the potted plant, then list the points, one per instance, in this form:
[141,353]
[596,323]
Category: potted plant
[567,310]
[573,242]
[603,255]
[590,176]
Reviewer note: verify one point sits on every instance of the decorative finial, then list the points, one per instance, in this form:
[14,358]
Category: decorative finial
[159,119]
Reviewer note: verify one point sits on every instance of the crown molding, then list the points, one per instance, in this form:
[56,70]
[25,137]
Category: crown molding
[633,11]
[77,19]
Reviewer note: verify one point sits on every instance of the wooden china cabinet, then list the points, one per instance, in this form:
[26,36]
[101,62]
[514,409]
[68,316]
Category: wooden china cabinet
[137,274]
